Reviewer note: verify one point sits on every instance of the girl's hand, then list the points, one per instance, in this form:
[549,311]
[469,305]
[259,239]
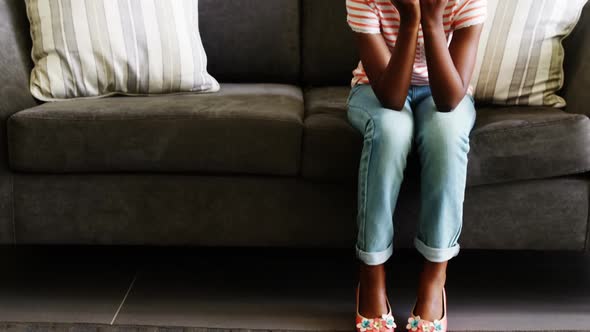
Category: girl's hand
[409,10]
[432,11]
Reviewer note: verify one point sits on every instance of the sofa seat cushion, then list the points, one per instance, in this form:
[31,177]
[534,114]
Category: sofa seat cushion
[506,143]
[243,128]
[527,142]
[331,146]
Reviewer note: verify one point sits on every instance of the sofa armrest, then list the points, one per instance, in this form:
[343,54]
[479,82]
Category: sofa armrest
[15,67]
[15,61]
[576,88]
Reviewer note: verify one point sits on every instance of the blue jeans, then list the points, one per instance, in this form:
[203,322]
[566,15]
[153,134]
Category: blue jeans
[442,141]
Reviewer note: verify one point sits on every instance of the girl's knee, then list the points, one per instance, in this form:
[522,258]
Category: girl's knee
[457,122]
[394,127]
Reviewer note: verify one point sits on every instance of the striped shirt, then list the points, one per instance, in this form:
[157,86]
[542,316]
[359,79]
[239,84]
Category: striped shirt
[381,16]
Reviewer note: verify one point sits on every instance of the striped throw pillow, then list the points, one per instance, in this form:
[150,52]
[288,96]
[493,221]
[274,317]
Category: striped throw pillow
[97,48]
[520,55]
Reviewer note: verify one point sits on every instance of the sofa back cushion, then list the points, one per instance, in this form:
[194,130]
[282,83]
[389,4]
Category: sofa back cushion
[251,40]
[232,37]
[577,66]
[328,45]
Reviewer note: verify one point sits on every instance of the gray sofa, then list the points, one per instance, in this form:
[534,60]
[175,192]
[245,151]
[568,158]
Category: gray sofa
[270,160]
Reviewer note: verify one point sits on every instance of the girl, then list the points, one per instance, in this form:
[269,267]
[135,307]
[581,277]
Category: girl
[411,86]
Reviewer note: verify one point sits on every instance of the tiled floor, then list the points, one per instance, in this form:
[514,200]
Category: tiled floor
[280,288]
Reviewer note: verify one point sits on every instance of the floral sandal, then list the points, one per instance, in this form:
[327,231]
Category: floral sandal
[423,325]
[385,323]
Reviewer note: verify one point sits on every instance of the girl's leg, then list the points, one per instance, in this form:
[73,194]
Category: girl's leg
[388,137]
[443,143]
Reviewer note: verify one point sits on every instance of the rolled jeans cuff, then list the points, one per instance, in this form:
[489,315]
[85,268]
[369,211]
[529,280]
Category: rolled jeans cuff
[436,254]
[375,257]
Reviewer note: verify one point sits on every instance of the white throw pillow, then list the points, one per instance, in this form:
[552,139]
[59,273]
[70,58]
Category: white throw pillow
[520,56]
[97,48]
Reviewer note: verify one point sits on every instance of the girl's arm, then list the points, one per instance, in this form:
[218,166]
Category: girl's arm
[390,73]
[449,68]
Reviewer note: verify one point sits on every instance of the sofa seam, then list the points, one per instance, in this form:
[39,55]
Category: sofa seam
[300,22]
[577,171]
[491,133]
[21,116]
[544,177]
[567,172]
[301,152]
[587,240]
[300,79]
[12,212]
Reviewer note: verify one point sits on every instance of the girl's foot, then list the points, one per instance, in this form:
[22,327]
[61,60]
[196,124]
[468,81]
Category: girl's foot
[372,291]
[429,302]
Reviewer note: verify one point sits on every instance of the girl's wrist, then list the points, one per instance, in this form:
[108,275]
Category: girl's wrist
[410,23]
[432,23]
